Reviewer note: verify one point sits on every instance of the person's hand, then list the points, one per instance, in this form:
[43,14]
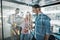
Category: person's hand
[46,37]
[14,25]
[26,29]
[17,31]
[13,32]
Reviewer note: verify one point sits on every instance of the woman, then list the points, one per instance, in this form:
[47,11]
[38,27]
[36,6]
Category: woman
[26,26]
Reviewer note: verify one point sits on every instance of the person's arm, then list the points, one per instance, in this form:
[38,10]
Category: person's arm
[47,23]
[30,26]
[9,20]
[47,37]
[47,32]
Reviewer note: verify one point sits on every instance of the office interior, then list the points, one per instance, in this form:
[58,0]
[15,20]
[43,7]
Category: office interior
[49,7]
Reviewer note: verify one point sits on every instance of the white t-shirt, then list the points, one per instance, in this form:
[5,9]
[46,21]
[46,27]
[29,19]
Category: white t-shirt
[15,18]
[25,27]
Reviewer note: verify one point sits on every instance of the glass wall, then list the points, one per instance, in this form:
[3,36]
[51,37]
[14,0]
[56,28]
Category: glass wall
[12,23]
[54,13]
[0,23]
[9,9]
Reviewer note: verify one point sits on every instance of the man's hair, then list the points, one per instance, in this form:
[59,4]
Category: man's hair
[36,6]
[17,9]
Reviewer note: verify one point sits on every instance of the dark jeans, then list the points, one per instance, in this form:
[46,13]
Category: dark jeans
[24,37]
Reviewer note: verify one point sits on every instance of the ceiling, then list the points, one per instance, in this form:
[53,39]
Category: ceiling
[32,2]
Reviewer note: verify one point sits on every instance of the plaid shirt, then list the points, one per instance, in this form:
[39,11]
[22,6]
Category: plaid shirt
[42,24]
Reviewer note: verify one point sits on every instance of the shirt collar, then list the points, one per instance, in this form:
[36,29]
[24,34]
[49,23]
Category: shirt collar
[39,14]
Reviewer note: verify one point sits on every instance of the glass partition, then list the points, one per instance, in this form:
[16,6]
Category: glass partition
[54,13]
[11,26]
[19,19]
[0,23]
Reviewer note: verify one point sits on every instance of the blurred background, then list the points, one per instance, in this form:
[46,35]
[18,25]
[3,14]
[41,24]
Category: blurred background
[48,7]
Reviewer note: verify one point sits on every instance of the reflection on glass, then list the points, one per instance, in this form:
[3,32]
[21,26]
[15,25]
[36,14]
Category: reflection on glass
[47,2]
[0,23]
[12,29]
[11,22]
[54,13]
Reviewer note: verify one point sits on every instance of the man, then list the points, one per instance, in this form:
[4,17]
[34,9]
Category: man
[42,24]
[15,20]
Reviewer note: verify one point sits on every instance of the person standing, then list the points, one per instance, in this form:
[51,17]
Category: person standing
[15,20]
[42,24]
[26,27]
